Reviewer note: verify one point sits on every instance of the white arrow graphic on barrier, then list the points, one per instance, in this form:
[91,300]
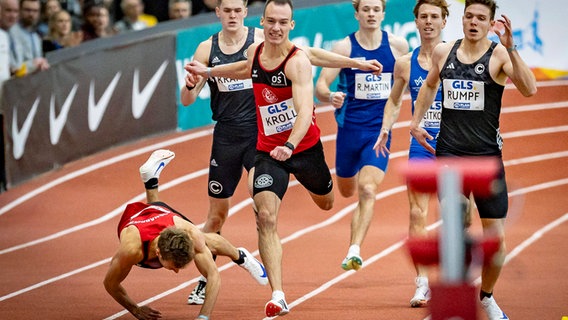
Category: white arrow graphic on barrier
[97,110]
[140,99]
[56,123]
[21,136]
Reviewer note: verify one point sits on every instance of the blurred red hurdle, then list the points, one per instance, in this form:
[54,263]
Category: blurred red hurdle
[453,297]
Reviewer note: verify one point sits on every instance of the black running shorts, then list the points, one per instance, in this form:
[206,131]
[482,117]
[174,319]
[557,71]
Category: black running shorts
[309,168]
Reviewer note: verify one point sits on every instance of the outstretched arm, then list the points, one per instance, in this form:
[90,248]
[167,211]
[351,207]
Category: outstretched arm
[126,256]
[324,58]
[235,70]
[514,67]
[392,107]
[206,266]
[193,86]
[427,94]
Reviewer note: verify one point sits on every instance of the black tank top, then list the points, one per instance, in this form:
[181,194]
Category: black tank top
[471,107]
[232,101]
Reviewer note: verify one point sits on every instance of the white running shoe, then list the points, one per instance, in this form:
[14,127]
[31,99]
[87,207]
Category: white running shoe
[422,293]
[352,263]
[492,309]
[197,296]
[254,267]
[155,164]
[275,308]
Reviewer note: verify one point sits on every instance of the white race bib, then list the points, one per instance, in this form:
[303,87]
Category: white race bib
[372,87]
[433,116]
[231,85]
[464,95]
[278,117]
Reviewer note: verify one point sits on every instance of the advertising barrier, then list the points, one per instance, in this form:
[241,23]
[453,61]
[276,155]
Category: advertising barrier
[85,105]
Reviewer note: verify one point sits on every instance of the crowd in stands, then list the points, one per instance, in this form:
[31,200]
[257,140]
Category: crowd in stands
[32,28]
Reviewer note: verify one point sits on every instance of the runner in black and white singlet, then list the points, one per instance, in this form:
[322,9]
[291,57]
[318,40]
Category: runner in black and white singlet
[233,109]
[471,101]
[473,72]
[234,137]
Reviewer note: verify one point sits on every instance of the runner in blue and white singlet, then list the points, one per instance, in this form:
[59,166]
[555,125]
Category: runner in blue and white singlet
[431,120]
[360,101]
[360,118]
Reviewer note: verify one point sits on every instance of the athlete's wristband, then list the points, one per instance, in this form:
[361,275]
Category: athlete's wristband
[208,72]
[511,49]
[189,88]
[289,145]
[202,316]
[331,96]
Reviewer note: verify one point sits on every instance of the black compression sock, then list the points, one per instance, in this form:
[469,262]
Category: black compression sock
[241,259]
[151,184]
[483,294]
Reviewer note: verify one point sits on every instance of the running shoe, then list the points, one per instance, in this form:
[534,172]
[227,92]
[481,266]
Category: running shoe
[155,164]
[275,308]
[197,296]
[254,267]
[492,309]
[422,294]
[352,263]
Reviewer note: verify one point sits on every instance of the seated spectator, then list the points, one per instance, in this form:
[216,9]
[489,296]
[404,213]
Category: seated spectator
[96,21]
[26,54]
[60,34]
[179,9]
[48,8]
[134,17]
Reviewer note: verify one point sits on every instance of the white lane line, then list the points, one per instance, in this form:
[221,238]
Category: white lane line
[207,132]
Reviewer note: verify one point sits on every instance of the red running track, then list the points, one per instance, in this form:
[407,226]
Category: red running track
[57,232]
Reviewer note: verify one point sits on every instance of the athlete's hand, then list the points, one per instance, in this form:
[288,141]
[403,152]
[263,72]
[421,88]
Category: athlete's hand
[421,135]
[191,80]
[381,144]
[506,35]
[146,313]
[196,68]
[281,153]
[336,99]
[371,65]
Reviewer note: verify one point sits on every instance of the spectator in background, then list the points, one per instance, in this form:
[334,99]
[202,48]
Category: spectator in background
[4,75]
[75,9]
[26,54]
[256,3]
[48,8]
[60,34]
[157,8]
[134,17]
[203,6]
[179,9]
[96,21]
[4,56]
